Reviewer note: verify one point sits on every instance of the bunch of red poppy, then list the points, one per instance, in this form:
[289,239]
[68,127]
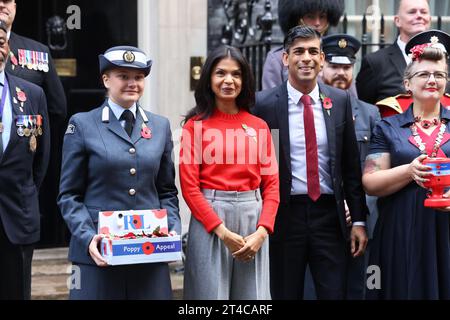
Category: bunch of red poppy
[131,235]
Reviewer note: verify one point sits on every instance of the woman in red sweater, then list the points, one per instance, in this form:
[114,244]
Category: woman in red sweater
[229,179]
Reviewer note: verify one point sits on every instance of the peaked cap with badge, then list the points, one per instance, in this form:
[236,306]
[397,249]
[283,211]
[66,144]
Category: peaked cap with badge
[431,38]
[340,48]
[124,57]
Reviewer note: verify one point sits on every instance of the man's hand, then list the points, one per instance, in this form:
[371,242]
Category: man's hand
[358,240]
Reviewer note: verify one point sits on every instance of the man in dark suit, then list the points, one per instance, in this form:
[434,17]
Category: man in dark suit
[340,56]
[31,60]
[381,73]
[319,168]
[24,153]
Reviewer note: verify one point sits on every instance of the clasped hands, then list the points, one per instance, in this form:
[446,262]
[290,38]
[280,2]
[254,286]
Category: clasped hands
[243,249]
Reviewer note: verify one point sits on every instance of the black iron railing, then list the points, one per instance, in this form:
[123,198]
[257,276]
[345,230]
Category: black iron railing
[253,34]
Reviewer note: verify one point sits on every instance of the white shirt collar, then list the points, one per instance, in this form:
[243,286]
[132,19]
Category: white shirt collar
[118,110]
[2,77]
[402,46]
[296,95]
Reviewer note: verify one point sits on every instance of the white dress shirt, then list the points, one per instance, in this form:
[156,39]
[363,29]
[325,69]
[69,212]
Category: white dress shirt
[297,142]
[402,46]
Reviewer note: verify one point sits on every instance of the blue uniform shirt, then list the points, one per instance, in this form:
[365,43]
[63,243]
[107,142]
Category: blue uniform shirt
[7,114]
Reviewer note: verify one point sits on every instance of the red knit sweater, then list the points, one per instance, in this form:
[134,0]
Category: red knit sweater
[229,153]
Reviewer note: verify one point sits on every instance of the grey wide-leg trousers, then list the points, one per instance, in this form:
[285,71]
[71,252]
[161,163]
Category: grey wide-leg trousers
[210,270]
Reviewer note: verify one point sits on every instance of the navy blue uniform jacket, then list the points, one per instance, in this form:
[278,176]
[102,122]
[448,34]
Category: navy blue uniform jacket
[96,174]
[21,170]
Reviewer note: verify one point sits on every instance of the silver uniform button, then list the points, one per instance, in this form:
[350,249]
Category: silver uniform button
[132,171]
[132,150]
[365,138]
[132,192]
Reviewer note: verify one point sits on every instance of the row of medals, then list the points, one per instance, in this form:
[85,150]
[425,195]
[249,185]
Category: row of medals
[33,64]
[30,132]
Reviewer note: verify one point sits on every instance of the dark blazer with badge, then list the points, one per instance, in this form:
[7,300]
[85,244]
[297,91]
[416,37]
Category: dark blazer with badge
[381,74]
[48,81]
[272,106]
[21,169]
[96,174]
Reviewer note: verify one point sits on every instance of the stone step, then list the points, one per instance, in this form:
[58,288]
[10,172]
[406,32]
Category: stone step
[51,270]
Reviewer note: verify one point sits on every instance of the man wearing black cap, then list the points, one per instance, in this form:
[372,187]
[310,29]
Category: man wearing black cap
[340,51]
[24,152]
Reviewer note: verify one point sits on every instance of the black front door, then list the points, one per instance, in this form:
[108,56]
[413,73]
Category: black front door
[104,23]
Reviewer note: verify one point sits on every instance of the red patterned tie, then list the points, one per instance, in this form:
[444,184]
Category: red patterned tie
[312,159]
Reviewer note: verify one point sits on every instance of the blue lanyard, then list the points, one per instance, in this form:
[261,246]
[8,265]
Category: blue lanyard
[2,103]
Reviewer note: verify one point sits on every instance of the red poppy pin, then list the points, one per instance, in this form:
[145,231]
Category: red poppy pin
[250,132]
[13,59]
[146,133]
[327,103]
[21,96]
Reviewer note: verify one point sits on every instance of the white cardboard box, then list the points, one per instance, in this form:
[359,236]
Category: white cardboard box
[119,251]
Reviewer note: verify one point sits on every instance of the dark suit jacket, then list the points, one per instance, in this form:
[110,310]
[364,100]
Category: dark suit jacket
[22,171]
[48,81]
[272,106]
[381,74]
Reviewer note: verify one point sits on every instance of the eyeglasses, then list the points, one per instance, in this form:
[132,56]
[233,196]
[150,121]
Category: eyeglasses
[425,75]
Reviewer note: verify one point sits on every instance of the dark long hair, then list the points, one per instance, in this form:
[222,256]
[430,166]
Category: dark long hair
[205,98]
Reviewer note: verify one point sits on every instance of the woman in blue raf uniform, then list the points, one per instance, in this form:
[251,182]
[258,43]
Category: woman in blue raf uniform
[117,157]
[411,243]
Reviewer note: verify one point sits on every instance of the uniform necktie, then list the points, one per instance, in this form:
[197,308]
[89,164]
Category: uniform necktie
[312,159]
[127,115]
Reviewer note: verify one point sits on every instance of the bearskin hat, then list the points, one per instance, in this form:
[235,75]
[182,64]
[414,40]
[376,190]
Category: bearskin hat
[290,11]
